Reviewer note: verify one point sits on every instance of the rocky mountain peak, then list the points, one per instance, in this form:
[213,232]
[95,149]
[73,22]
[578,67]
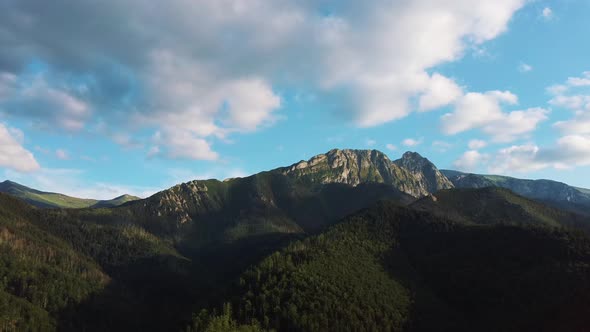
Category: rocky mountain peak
[425,170]
[412,174]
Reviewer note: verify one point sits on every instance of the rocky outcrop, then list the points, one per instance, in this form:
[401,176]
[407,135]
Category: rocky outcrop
[428,176]
[412,174]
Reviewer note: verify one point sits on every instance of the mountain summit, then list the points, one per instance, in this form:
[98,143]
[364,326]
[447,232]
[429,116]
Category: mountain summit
[303,197]
[430,178]
[412,174]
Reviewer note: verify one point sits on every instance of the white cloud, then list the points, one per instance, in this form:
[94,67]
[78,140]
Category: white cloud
[391,147]
[476,110]
[12,154]
[580,124]
[213,69]
[569,151]
[49,106]
[483,111]
[441,146]
[470,161]
[517,158]
[573,95]
[62,154]
[547,13]
[411,142]
[515,124]
[572,102]
[579,81]
[477,144]
[181,144]
[370,142]
[570,83]
[524,67]
[441,92]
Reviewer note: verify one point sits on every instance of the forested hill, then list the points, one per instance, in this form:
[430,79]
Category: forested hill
[55,200]
[391,268]
[338,242]
[554,193]
[496,205]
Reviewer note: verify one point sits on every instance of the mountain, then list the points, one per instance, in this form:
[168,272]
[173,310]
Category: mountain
[390,268]
[120,200]
[54,200]
[60,273]
[411,174]
[288,249]
[554,193]
[496,205]
[41,274]
[302,198]
[430,178]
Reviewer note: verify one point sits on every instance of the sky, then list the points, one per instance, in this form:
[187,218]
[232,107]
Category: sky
[101,98]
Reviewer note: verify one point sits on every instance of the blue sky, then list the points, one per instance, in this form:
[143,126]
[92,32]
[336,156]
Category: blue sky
[103,98]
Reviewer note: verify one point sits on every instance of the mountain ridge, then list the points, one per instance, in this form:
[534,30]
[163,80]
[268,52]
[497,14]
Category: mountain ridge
[557,194]
[44,199]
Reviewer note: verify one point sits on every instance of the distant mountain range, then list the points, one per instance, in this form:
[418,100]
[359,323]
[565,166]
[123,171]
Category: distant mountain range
[347,240]
[412,174]
[55,200]
[551,192]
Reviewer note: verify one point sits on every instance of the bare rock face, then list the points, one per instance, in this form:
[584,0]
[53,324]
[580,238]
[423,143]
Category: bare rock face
[425,171]
[412,174]
[237,199]
[182,202]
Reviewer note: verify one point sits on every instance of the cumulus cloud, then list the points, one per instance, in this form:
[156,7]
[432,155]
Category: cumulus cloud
[391,147]
[569,151]
[12,154]
[441,92]
[213,69]
[412,142]
[574,96]
[181,144]
[517,158]
[484,111]
[470,161]
[476,144]
[49,106]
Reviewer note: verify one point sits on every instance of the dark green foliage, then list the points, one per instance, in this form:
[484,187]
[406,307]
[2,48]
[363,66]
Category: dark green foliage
[205,322]
[390,268]
[553,193]
[484,260]
[40,275]
[493,205]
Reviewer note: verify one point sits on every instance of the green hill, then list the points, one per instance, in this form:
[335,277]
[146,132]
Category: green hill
[278,248]
[495,205]
[390,268]
[41,273]
[58,273]
[556,194]
[54,200]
